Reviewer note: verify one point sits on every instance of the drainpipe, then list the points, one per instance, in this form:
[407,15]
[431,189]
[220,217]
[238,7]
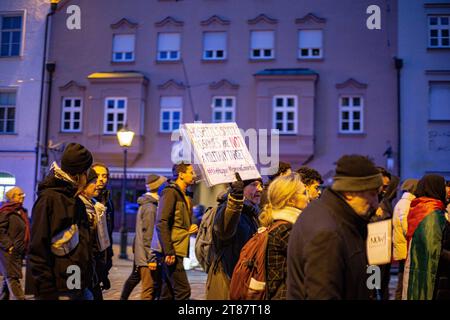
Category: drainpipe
[50,66]
[398,67]
[53,8]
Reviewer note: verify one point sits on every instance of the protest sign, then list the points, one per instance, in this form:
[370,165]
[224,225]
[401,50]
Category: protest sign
[379,242]
[220,151]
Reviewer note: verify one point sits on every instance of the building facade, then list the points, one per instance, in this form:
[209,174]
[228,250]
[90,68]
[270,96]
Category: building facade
[22,24]
[313,70]
[425,87]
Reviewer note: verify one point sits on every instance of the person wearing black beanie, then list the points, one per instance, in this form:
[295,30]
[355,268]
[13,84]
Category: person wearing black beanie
[60,234]
[76,159]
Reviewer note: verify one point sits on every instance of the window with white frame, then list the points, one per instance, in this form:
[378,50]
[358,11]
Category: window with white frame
[171,113]
[115,114]
[310,44]
[71,115]
[351,112]
[439,29]
[214,45]
[223,109]
[169,46]
[285,114]
[123,47]
[7,182]
[262,44]
[7,112]
[11,35]
[440,101]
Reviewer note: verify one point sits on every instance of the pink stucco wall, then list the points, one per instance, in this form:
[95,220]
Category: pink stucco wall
[350,51]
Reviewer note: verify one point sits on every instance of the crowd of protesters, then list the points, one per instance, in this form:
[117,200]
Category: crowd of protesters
[315,248]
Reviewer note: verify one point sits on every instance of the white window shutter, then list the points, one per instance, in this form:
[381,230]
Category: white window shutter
[262,39]
[169,42]
[440,101]
[171,102]
[310,38]
[123,43]
[214,40]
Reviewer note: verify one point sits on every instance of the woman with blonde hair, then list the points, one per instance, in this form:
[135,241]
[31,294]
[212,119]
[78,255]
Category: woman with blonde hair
[287,197]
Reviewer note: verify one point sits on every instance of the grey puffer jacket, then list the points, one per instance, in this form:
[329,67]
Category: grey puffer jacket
[145,222]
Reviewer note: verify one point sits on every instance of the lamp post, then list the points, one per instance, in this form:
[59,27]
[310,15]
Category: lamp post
[125,138]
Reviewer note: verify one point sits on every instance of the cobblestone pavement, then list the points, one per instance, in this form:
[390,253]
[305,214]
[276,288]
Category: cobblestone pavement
[122,268]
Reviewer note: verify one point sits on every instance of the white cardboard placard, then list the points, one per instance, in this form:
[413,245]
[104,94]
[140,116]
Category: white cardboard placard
[220,151]
[379,242]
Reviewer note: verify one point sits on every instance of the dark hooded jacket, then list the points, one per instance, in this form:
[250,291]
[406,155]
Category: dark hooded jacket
[235,222]
[442,286]
[56,209]
[327,257]
[103,260]
[386,202]
[15,233]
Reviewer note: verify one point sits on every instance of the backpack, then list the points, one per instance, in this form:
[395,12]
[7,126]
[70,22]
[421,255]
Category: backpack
[248,281]
[204,240]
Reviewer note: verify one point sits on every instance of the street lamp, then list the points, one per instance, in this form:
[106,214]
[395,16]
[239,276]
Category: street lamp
[125,138]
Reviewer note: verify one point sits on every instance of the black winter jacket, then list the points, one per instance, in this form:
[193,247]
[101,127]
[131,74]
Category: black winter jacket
[13,231]
[103,260]
[327,252]
[235,223]
[55,210]
[442,286]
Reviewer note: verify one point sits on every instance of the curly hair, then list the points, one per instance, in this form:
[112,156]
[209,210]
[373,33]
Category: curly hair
[309,175]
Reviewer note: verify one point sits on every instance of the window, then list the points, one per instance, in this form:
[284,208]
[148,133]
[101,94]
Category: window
[440,101]
[168,46]
[214,45]
[71,115]
[285,114]
[115,114]
[7,182]
[310,44]
[439,28]
[123,47]
[262,44]
[11,35]
[171,113]
[351,114]
[7,112]
[223,109]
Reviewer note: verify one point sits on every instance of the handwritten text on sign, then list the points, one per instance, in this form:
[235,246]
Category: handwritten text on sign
[220,151]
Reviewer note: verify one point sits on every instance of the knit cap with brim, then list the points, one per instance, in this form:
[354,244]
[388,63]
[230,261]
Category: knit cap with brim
[356,173]
[75,159]
[154,181]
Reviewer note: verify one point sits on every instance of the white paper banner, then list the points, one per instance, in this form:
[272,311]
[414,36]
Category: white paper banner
[220,151]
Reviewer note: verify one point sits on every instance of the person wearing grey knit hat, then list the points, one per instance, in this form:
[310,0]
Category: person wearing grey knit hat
[153,182]
[329,239]
[356,173]
[359,181]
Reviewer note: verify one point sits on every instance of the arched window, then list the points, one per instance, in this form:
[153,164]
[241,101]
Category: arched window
[7,182]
